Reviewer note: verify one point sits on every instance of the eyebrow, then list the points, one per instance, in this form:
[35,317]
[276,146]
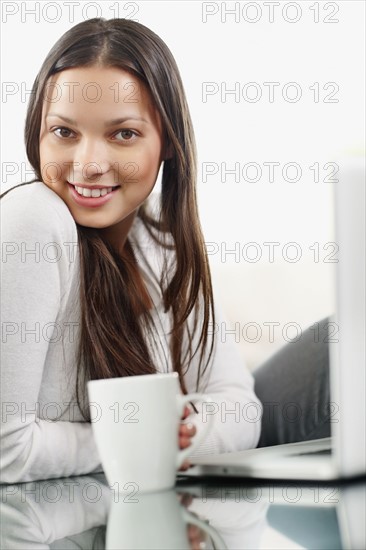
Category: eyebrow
[109,123]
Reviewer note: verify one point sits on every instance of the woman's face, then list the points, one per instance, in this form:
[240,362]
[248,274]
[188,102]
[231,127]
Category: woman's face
[99,131]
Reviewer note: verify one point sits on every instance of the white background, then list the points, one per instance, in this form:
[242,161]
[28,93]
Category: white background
[303,132]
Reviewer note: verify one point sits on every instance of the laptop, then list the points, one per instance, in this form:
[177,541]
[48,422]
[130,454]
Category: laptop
[343,454]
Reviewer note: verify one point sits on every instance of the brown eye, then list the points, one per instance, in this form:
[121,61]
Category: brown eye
[64,132]
[127,135]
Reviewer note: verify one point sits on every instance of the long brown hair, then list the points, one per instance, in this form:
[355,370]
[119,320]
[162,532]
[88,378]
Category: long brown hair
[113,298]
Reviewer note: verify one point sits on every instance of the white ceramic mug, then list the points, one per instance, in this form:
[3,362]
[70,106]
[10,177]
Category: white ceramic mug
[135,422]
[156,521]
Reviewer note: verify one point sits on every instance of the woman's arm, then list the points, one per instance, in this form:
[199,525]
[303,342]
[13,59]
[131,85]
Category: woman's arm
[236,409]
[37,232]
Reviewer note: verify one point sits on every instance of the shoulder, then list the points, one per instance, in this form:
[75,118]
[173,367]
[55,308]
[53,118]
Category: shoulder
[37,210]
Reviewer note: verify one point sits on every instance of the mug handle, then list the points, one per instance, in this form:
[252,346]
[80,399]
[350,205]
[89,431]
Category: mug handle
[196,440]
[219,544]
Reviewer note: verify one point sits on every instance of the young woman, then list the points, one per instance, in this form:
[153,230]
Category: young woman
[97,283]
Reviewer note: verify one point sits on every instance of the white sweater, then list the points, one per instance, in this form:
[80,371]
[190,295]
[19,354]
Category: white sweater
[43,434]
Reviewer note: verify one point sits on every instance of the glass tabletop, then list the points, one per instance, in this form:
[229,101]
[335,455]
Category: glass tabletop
[85,512]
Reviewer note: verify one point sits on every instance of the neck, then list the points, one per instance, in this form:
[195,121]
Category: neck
[116,235]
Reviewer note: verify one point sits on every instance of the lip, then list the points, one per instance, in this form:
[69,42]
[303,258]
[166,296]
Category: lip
[90,202]
[91,186]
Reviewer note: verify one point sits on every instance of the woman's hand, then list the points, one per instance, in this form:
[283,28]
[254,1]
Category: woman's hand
[186,432]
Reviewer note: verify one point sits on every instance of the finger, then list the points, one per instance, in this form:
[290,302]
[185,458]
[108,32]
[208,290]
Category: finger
[194,535]
[186,464]
[187,411]
[184,442]
[187,430]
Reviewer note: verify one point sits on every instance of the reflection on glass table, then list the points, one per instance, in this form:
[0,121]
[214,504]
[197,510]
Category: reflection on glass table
[84,512]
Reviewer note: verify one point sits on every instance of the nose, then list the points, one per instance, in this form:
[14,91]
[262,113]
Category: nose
[91,160]
[94,170]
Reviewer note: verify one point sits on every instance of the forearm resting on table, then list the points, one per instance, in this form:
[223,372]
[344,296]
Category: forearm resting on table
[44,449]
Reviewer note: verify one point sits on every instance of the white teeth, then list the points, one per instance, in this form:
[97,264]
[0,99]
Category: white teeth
[95,193]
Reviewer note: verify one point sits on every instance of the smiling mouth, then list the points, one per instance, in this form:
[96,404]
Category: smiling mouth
[93,193]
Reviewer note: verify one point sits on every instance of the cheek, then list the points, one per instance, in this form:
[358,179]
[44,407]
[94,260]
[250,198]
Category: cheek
[52,162]
[142,166]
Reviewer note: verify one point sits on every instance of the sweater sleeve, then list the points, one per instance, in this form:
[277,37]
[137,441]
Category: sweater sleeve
[235,409]
[37,228]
